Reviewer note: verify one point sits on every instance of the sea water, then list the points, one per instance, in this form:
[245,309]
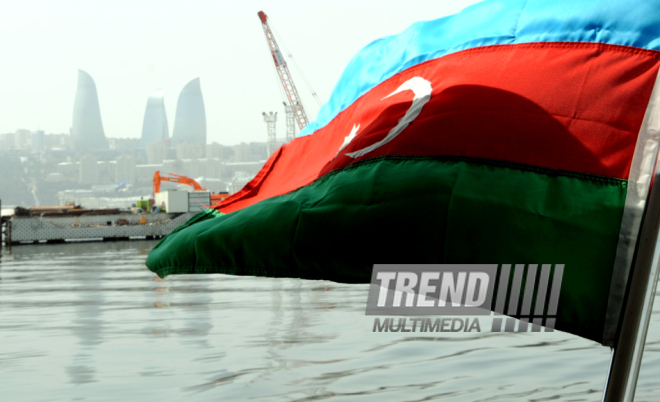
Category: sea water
[88,321]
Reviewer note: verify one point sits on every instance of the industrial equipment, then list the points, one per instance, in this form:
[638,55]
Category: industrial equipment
[176,178]
[295,104]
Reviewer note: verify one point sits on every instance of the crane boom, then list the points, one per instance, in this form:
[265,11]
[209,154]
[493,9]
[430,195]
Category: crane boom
[285,75]
[177,178]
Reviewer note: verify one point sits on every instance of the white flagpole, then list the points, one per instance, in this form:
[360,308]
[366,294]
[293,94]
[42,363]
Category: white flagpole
[629,346]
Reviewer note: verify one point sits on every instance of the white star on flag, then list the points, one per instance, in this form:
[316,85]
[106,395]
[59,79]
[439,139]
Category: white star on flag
[349,137]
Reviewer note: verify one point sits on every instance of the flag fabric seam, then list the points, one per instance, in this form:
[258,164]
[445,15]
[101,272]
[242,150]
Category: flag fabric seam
[560,45]
[477,161]
[451,158]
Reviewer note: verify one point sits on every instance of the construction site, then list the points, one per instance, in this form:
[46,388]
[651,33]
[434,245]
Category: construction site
[107,181]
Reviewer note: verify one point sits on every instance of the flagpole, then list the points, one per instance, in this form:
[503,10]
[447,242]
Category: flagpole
[629,345]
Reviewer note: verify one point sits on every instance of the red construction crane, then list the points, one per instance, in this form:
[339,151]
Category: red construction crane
[285,75]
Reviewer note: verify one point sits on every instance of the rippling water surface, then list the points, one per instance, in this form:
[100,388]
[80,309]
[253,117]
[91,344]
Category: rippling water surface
[88,321]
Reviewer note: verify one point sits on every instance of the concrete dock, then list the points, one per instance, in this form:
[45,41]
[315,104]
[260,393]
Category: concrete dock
[118,226]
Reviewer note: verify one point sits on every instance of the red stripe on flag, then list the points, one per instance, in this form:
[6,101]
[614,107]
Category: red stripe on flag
[569,106]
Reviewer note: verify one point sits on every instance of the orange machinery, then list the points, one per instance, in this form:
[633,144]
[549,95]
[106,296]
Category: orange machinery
[176,178]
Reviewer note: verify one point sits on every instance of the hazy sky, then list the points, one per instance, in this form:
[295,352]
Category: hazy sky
[132,47]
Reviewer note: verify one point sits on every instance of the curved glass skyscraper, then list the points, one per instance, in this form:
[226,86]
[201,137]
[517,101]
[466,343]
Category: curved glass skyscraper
[154,126]
[86,129]
[190,119]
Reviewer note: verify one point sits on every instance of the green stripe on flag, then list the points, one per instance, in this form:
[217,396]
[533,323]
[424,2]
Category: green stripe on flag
[420,211]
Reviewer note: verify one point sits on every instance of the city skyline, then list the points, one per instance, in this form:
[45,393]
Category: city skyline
[87,125]
[131,48]
[154,126]
[190,119]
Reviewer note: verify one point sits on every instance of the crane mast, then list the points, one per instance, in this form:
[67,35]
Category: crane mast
[285,75]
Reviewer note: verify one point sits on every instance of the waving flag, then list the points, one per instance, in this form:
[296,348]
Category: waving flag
[513,132]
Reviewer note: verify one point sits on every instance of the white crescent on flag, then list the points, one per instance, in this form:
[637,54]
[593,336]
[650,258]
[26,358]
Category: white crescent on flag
[422,90]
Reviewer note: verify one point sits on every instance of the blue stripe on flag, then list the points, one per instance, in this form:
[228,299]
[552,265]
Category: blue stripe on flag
[618,22]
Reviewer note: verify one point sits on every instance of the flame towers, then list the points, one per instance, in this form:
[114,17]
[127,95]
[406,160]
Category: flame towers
[154,126]
[190,119]
[87,129]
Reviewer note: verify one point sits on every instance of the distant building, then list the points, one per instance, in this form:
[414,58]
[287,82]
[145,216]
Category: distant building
[187,150]
[87,129]
[219,151]
[155,153]
[21,139]
[94,172]
[33,141]
[87,170]
[242,152]
[123,144]
[70,171]
[125,169]
[252,152]
[190,119]
[145,173]
[37,139]
[55,177]
[259,151]
[7,141]
[106,172]
[59,141]
[154,126]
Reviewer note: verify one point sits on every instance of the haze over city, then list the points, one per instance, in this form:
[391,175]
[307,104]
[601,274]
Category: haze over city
[76,121]
[464,209]
[133,48]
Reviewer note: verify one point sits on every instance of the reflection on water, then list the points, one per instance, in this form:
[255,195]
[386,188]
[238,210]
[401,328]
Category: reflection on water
[89,321]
